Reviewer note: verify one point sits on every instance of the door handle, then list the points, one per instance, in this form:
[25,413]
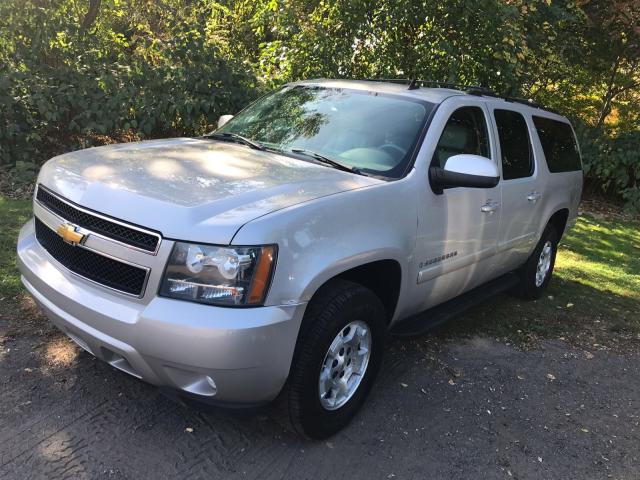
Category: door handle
[489,207]
[534,196]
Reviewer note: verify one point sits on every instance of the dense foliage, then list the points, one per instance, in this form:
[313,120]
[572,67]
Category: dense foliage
[75,73]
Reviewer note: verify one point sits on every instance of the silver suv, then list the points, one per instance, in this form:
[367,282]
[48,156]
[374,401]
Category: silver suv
[272,257]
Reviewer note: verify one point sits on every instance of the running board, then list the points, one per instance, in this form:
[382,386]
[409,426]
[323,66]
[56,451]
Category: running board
[429,319]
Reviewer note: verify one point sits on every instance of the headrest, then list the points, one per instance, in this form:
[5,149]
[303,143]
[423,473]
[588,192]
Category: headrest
[454,137]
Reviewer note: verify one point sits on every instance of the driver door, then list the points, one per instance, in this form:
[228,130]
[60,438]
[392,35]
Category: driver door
[458,229]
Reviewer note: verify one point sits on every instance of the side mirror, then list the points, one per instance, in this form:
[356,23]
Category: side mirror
[464,170]
[224,119]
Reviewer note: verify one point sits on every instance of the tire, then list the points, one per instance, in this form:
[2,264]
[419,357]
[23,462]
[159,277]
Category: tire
[339,309]
[531,286]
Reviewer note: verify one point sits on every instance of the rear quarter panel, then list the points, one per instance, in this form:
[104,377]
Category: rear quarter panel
[561,190]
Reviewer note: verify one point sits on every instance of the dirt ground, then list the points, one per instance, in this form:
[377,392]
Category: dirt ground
[441,409]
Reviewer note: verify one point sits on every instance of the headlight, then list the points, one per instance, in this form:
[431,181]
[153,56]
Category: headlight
[219,275]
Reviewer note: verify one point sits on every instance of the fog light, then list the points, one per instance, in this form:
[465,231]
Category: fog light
[192,382]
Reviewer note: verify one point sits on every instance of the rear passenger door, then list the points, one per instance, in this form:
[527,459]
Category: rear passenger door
[521,188]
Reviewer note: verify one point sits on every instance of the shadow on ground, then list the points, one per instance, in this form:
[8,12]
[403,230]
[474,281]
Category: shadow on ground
[443,407]
[570,311]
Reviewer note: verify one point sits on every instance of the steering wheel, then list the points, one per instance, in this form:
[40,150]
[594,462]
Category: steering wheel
[394,147]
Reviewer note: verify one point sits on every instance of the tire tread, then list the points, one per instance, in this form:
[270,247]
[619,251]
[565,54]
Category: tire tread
[321,312]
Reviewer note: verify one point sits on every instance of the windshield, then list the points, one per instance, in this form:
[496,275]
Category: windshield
[370,131]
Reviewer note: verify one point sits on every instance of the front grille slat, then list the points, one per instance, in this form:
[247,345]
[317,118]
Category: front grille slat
[86,263]
[130,236]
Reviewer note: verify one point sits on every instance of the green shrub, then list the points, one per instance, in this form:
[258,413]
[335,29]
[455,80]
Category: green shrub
[63,89]
[78,73]
[612,164]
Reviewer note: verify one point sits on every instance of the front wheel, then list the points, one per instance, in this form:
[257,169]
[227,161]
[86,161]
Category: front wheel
[337,358]
[536,273]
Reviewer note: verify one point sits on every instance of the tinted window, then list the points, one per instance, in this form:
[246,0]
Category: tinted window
[465,132]
[372,131]
[559,145]
[515,147]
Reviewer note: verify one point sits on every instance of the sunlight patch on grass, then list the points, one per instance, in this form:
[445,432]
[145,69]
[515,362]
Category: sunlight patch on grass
[603,255]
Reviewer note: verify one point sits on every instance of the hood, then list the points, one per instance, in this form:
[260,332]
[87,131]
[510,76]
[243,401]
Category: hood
[190,189]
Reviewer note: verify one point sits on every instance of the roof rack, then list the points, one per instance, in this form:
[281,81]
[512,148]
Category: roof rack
[415,83]
[480,91]
[530,103]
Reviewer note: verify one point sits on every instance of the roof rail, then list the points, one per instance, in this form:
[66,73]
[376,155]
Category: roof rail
[530,103]
[455,86]
[402,81]
[480,91]
[414,83]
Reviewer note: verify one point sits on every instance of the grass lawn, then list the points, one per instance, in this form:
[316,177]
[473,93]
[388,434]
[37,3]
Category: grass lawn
[593,300]
[13,214]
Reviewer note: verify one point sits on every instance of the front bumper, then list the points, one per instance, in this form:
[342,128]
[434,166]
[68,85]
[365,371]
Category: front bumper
[229,356]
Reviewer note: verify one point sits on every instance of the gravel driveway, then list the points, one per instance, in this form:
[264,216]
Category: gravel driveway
[463,409]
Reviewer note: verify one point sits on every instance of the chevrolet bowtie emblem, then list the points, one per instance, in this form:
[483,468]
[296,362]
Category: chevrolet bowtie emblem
[69,234]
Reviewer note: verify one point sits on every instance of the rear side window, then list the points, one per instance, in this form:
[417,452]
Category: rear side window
[559,145]
[465,132]
[515,146]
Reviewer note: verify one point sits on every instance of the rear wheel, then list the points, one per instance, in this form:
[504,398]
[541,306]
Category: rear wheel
[337,358]
[535,275]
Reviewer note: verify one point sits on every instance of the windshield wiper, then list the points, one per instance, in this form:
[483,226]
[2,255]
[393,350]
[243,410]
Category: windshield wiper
[327,161]
[234,137]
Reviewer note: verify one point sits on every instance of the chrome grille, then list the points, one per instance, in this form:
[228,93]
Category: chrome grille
[99,224]
[91,265]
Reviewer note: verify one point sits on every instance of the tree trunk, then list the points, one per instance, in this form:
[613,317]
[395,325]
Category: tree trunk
[92,14]
[608,97]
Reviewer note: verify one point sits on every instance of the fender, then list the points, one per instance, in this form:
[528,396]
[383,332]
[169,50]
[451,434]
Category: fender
[330,235]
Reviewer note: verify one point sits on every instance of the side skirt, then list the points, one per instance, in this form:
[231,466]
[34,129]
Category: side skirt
[428,320]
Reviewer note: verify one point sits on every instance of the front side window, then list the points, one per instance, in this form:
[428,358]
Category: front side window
[465,132]
[515,146]
[558,144]
[371,131]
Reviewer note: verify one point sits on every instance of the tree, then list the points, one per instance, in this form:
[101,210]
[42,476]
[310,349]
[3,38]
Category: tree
[613,33]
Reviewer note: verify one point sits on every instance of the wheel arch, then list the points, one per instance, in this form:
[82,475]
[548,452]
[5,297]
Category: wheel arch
[383,277]
[559,221]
